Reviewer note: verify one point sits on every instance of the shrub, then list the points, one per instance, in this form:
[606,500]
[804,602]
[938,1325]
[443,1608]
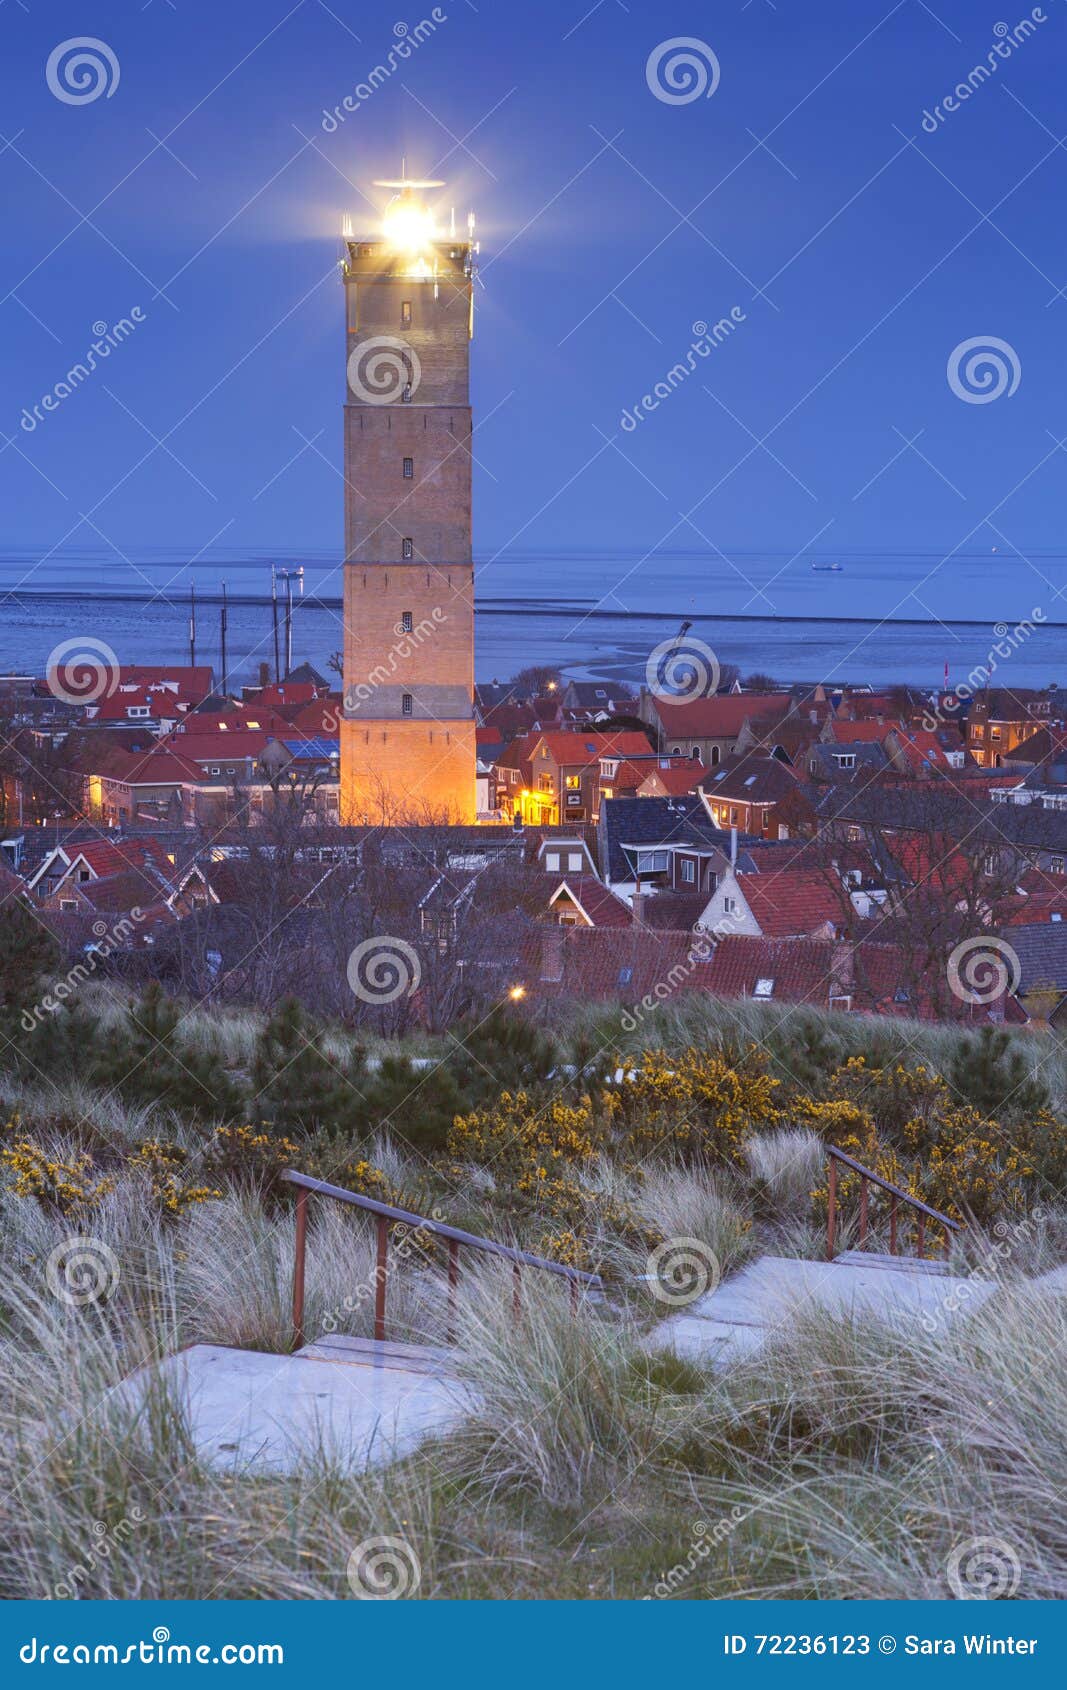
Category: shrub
[695,1103]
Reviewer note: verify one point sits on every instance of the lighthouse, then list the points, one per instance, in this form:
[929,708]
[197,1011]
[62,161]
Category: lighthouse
[407,729]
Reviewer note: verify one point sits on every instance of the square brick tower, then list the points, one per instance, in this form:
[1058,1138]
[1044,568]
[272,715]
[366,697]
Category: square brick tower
[407,733]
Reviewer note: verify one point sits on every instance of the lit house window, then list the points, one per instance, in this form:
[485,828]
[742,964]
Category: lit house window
[406,704]
[409,468]
[407,622]
[407,548]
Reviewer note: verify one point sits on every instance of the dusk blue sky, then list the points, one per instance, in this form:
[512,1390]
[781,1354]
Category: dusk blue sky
[857,246]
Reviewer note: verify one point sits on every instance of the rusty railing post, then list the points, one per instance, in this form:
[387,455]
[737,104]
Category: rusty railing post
[298,1268]
[922,1234]
[863,1213]
[380,1275]
[831,1209]
[893,1227]
[517,1296]
[574,1299]
[453,1280]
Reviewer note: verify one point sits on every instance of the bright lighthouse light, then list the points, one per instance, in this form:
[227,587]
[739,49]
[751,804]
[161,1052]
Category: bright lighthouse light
[409,227]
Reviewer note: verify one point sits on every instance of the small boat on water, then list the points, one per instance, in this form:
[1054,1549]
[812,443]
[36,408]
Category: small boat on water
[828,566]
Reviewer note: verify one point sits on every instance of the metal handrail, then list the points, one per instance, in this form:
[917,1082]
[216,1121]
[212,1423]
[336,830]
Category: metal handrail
[388,1215]
[898,1196]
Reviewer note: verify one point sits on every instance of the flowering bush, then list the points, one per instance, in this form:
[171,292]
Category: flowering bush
[695,1103]
[517,1137]
[162,1166]
[61,1188]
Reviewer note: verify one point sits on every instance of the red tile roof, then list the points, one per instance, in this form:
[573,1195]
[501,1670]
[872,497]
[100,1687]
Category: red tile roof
[674,782]
[719,717]
[596,903]
[790,903]
[582,748]
[860,733]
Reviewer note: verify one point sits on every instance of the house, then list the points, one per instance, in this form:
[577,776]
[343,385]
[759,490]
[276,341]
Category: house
[566,773]
[752,793]
[787,904]
[567,853]
[584,901]
[1041,953]
[709,728]
[863,760]
[597,699]
[651,844]
[1001,718]
[670,777]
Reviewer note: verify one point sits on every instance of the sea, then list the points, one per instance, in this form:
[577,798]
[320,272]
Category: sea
[859,618]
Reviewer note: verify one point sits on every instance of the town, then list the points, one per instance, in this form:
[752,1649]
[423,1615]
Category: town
[892,853]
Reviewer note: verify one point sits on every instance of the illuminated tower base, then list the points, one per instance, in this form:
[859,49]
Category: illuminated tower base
[407,735]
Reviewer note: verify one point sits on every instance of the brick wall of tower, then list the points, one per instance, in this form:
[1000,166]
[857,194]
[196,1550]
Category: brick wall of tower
[407,771]
[432,508]
[407,738]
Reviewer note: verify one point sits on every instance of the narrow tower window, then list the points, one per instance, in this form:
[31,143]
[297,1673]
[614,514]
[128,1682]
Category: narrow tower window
[405,311]
[406,702]
[407,622]
[405,397]
[409,468]
[407,548]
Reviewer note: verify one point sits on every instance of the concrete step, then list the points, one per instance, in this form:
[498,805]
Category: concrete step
[898,1264]
[373,1352]
[251,1412]
[746,1311]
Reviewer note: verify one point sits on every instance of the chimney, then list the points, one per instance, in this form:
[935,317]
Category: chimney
[733,847]
[552,942]
[264,674]
[637,904]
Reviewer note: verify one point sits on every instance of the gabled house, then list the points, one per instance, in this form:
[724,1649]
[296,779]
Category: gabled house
[753,793]
[565,773]
[785,904]
[709,728]
[584,901]
[1001,718]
